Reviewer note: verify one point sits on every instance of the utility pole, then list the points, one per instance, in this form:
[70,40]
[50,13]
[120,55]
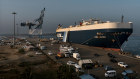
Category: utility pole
[14,13]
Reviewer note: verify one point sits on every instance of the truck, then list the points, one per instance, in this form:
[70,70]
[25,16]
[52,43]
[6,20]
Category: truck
[76,56]
[67,54]
[86,63]
[78,68]
[64,48]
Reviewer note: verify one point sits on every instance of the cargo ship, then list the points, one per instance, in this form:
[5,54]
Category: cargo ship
[94,32]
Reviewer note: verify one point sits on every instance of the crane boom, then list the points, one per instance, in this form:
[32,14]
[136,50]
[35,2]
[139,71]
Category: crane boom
[35,28]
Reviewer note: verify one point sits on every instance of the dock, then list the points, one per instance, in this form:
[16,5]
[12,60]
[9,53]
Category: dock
[40,63]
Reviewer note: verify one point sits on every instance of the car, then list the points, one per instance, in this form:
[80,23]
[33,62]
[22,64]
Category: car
[110,73]
[113,60]
[71,63]
[38,53]
[88,66]
[137,56]
[96,55]
[128,74]
[108,68]
[56,57]
[50,53]
[110,55]
[122,64]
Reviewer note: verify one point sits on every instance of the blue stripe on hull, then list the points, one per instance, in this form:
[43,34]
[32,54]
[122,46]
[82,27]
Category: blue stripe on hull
[114,37]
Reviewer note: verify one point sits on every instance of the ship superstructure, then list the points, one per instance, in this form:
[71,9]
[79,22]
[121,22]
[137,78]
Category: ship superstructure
[96,33]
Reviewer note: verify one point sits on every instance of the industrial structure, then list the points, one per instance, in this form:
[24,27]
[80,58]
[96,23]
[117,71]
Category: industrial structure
[35,27]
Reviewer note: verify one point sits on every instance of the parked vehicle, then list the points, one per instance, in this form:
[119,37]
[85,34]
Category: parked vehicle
[128,74]
[110,55]
[137,56]
[71,49]
[38,53]
[43,40]
[60,55]
[122,64]
[97,55]
[86,63]
[76,56]
[54,42]
[71,63]
[110,73]
[108,68]
[78,68]
[43,47]
[64,48]
[67,54]
[113,60]
[56,57]
[50,53]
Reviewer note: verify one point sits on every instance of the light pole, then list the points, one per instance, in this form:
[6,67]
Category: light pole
[14,13]
[17,29]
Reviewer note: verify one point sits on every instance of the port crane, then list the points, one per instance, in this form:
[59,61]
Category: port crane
[35,27]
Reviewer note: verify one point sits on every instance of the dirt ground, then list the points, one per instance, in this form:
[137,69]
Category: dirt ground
[18,65]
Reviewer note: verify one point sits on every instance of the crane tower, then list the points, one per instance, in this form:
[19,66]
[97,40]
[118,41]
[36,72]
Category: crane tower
[35,27]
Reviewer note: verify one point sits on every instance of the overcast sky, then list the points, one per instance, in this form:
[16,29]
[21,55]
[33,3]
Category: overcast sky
[66,12]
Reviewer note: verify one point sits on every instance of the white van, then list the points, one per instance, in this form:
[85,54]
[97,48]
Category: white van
[110,73]
[78,68]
